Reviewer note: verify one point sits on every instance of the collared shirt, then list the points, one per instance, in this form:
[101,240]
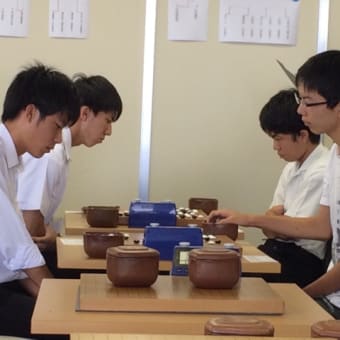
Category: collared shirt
[331,198]
[299,191]
[17,250]
[42,181]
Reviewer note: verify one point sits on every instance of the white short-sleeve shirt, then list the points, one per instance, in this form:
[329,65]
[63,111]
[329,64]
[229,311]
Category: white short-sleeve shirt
[299,191]
[17,250]
[42,181]
[331,198]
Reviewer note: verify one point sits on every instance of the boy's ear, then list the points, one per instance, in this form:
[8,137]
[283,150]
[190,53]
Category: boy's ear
[30,112]
[337,108]
[304,134]
[84,112]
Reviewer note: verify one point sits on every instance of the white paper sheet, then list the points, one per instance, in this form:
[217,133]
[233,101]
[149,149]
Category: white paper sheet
[258,258]
[72,241]
[188,20]
[68,18]
[14,18]
[260,21]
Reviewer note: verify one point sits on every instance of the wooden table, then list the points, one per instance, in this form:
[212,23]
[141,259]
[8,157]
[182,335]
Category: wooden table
[106,336]
[75,224]
[54,313]
[71,255]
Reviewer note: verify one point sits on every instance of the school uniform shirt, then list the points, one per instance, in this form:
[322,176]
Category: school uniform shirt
[299,191]
[17,250]
[331,198]
[42,181]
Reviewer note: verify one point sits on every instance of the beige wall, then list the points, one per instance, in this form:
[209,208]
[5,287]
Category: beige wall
[109,172]
[333,39]
[334,32]
[206,139]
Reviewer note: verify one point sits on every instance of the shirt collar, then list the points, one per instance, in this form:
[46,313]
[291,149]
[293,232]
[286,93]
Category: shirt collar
[315,154]
[67,142]
[11,155]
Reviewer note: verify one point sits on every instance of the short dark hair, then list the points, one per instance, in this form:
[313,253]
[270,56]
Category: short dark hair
[279,115]
[48,89]
[98,94]
[320,73]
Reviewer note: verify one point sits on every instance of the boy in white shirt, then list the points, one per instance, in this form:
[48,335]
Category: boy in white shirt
[39,102]
[298,191]
[318,85]
[39,196]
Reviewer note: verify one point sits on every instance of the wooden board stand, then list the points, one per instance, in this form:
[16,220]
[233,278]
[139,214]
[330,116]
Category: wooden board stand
[177,294]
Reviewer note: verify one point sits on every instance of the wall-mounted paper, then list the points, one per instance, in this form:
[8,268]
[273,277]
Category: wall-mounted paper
[260,21]
[68,18]
[14,18]
[188,20]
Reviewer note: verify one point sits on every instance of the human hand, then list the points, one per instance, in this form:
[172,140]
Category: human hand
[228,216]
[47,241]
[276,210]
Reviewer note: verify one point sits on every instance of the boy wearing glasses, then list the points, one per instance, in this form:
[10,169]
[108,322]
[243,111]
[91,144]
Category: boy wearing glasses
[39,102]
[298,191]
[318,85]
[39,196]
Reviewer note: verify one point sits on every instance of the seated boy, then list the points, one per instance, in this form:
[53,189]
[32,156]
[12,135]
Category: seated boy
[39,102]
[318,85]
[42,181]
[298,191]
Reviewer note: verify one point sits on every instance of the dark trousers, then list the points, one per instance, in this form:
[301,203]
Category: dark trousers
[297,265]
[50,257]
[16,309]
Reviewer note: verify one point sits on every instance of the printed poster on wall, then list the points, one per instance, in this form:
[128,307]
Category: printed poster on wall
[14,18]
[188,20]
[260,21]
[68,18]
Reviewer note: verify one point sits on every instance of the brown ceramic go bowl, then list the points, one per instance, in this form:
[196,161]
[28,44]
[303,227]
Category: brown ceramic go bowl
[238,325]
[102,216]
[229,229]
[214,267]
[132,266]
[96,243]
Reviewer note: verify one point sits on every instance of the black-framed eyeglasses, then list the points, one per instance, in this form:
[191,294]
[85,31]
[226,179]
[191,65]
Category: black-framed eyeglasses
[301,101]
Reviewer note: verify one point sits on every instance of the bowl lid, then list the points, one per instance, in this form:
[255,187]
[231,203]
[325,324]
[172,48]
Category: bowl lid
[101,207]
[328,328]
[132,251]
[213,253]
[239,325]
[102,234]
